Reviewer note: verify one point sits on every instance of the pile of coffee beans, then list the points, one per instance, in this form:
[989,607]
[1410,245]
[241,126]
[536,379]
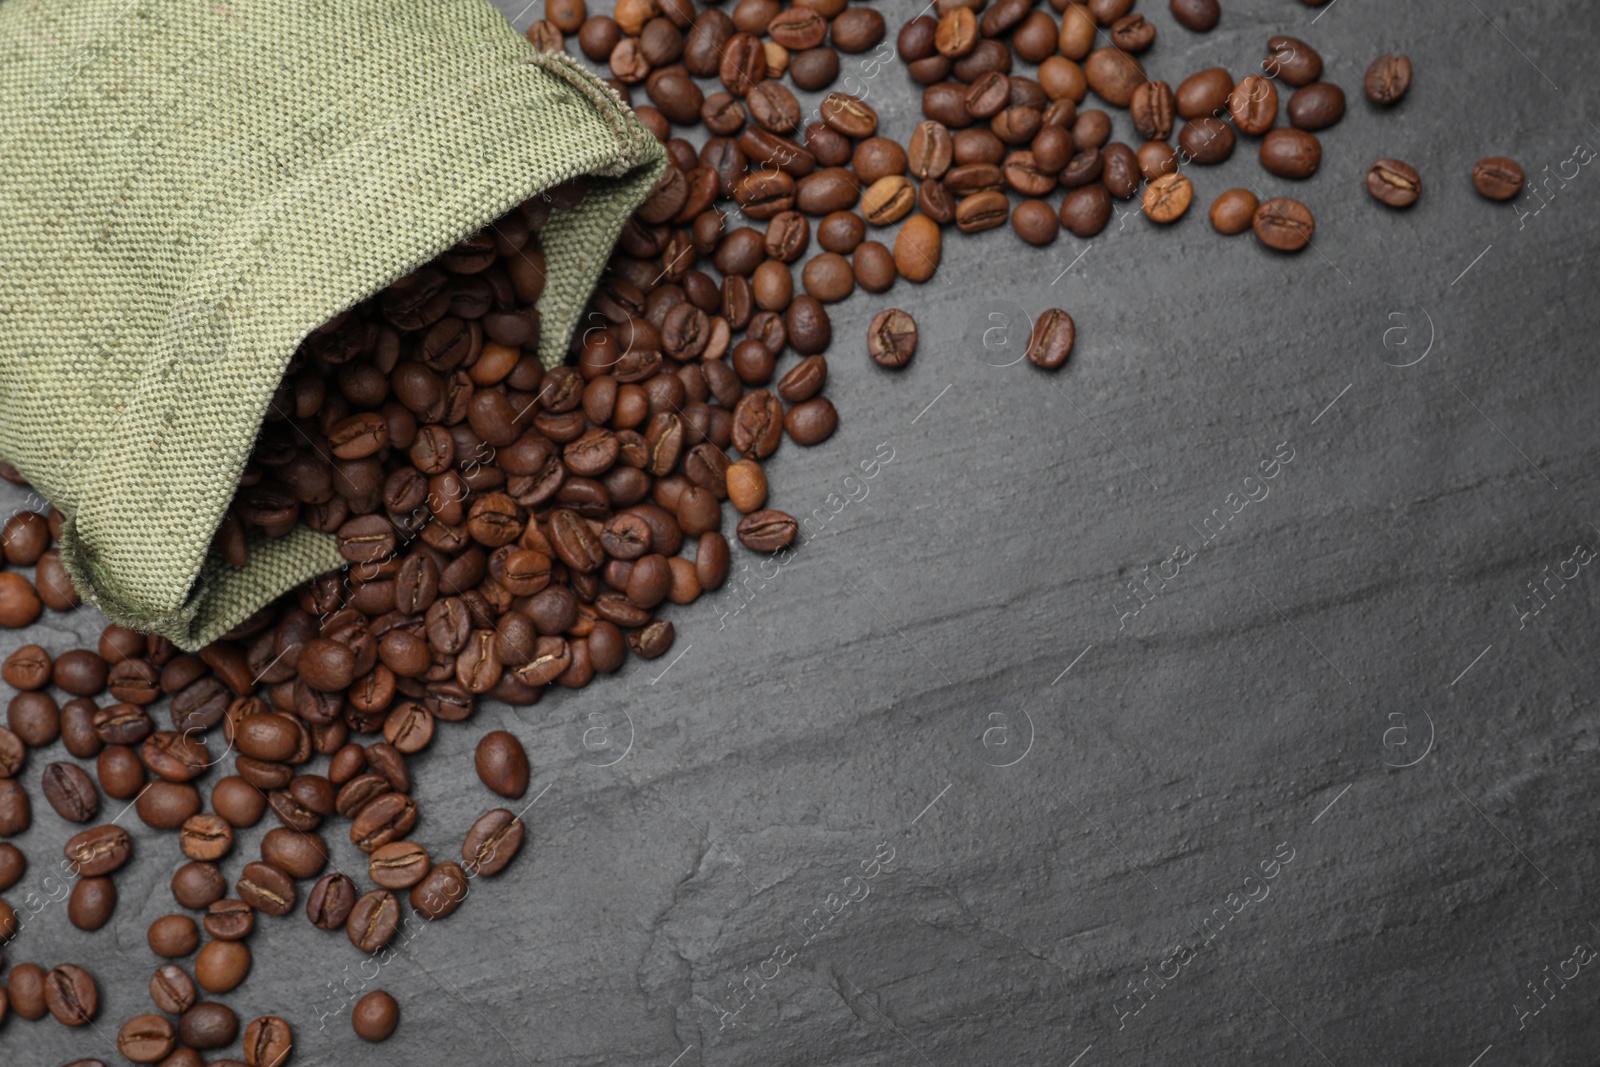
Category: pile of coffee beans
[509,527]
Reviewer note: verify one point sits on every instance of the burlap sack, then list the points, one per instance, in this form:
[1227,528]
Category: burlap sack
[188,187]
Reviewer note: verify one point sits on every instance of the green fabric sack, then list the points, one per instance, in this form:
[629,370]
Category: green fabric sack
[189,187]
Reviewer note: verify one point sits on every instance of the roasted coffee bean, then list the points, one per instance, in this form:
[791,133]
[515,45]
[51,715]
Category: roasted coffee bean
[80,672]
[767,530]
[70,792]
[172,990]
[1052,338]
[99,851]
[146,1039]
[19,601]
[747,485]
[1207,140]
[1114,75]
[208,1025]
[1132,33]
[267,1042]
[24,538]
[1284,225]
[1197,15]
[1086,167]
[71,995]
[122,724]
[27,668]
[441,892]
[398,865]
[135,681]
[1498,178]
[389,817]
[1394,183]
[502,763]
[13,864]
[652,640]
[1086,210]
[982,211]
[173,935]
[1119,170]
[330,901]
[198,885]
[1254,104]
[25,985]
[814,69]
[803,381]
[266,888]
[273,737]
[409,725]
[35,718]
[492,842]
[166,805]
[891,340]
[1234,211]
[237,801]
[15,813]
[13,753]
[1387,79]
[1204,93]
[1167,198]
[373,920]
[850,115]
[931,150]
[375,1016]
[957,32]
[873,263]
[173,756]
[1316,106]
[758,424]
[1291,153]
[1152,110]
[229,920]
[809,422]
[222,965]
[120,772]
[92,903]
[295,852]
[1291,60]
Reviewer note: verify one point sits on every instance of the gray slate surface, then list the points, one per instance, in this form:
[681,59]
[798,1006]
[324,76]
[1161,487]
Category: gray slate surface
[941,672]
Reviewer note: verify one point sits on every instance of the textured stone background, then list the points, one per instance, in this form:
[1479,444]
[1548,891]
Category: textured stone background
[942,672]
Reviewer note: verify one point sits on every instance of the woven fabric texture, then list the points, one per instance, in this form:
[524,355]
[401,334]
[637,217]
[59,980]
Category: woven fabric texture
[187,189]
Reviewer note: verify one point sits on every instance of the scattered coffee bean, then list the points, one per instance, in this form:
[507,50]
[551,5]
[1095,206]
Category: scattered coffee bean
[1387,79]
[1498,178]
[441,892]
[70,792]
[1167,198]
[1284,225]
[1234,212]
[146,1038]
[222,965]
[1051,340]
[172,990]
[1316,106]
[92,903]
[71,995]
[891,340]
[1197,15]
[267,1042]
[375,1016]
[502,763]
[1291,153]
[1394,183]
